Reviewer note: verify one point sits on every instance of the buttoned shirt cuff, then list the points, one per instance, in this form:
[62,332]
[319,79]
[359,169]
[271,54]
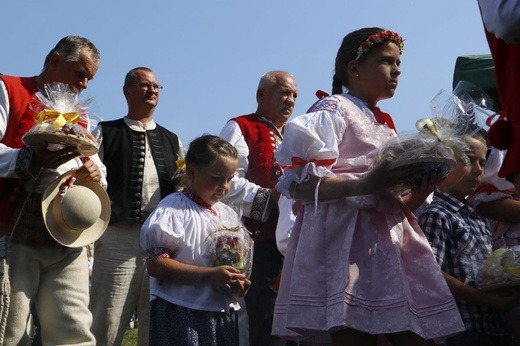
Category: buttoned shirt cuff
[23,162]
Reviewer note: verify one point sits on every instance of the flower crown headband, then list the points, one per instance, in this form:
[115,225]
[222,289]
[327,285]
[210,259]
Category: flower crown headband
[382,36]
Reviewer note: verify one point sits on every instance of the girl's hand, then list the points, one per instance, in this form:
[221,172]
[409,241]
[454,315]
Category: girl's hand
[421,188]
[381,178]
[225,275]
[426,184]
[238,288]
[89,171]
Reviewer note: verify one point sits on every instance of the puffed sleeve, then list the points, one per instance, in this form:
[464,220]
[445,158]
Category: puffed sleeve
[162,230]
[310,145]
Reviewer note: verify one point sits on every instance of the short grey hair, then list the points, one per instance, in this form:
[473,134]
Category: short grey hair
[271,78]
[69,48]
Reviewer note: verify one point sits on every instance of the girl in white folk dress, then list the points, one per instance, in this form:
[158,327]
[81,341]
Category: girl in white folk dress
[192,300]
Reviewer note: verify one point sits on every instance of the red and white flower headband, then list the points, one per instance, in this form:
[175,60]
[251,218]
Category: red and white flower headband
[380,37]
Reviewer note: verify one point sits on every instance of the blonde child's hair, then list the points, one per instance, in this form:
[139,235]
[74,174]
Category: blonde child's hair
[204,150]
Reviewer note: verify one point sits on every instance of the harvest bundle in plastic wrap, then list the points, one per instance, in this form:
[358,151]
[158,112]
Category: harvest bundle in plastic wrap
[500,269]
[418,149]
[232,246]
[441,138]
[61,120]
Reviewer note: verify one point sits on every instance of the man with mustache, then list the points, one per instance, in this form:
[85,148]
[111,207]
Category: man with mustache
[256,136]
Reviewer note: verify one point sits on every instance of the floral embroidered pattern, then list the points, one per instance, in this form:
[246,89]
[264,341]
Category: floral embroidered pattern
[158,252]
[260,203]
[22,164]
[326,104]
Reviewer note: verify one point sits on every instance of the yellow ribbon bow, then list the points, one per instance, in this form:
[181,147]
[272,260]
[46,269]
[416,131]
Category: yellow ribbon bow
[60,118]
[427,126]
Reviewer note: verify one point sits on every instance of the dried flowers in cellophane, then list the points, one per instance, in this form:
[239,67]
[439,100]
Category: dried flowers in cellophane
[232,246]
[62,119]
[501,269]
[441,138]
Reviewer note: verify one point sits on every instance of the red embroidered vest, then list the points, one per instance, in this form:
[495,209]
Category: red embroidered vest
[262,169]
[20,91]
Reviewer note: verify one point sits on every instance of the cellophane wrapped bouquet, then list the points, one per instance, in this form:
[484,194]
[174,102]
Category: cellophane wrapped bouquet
[500,269]
[232,246]
[62,118]
[440,138]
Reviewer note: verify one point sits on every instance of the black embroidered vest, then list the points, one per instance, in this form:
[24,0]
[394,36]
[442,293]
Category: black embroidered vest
[124,155]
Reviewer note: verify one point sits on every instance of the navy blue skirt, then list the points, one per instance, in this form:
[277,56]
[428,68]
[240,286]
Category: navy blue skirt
[171,324]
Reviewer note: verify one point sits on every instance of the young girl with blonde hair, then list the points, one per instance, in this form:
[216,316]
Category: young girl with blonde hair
[192,298]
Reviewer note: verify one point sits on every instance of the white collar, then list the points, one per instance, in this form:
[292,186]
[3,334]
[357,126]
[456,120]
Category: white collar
[136,125]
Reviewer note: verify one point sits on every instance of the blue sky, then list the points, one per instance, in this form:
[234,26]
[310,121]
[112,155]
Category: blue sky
[209,55]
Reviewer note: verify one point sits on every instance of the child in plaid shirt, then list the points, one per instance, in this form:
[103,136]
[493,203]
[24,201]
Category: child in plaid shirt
[459,237]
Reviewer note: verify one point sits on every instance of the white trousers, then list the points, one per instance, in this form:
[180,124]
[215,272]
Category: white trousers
[119,285]
[55,280]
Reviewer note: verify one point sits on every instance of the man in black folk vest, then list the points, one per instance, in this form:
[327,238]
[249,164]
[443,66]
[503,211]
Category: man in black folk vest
[140,158]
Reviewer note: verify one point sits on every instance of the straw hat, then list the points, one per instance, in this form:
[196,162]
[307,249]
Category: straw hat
[80,215]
